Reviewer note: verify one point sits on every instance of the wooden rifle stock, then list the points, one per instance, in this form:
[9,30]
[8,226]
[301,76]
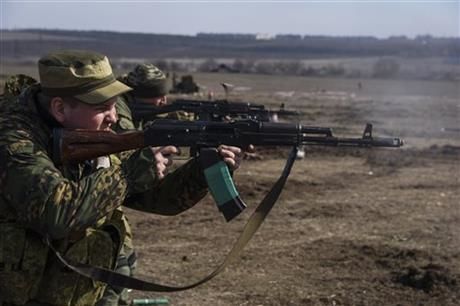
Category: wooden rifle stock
[80,145]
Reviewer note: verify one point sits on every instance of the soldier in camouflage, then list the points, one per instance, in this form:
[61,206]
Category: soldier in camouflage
[150,87]
[77,207]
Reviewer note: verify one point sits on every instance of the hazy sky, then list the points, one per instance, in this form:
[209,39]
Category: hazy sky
[343,18]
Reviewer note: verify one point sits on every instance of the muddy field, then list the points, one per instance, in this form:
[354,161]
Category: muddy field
[352,227]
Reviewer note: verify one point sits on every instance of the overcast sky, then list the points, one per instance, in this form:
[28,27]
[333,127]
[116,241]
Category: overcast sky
[342,18]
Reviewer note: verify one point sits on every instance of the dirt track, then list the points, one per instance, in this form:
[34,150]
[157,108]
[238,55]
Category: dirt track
[352,227]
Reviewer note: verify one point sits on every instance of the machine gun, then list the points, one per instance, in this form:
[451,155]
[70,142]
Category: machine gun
[217,110]
[202,137]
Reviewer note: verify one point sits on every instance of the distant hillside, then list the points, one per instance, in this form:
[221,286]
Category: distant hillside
[33,43]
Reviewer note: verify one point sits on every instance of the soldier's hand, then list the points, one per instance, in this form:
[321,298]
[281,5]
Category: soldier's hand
[232,156]
[163,159]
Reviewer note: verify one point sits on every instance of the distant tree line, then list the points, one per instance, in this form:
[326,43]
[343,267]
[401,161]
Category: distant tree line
[383,68]
[34,42]
[243,53]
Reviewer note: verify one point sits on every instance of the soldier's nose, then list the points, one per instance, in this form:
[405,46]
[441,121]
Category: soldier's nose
[111,116]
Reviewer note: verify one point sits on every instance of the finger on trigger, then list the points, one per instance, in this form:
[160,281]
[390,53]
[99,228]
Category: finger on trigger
[169,150]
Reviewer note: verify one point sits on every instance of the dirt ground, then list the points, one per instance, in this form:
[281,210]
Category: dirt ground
[352,226]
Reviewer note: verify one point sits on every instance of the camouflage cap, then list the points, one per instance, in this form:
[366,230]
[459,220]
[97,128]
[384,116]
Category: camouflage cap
[147,81]
[84,75]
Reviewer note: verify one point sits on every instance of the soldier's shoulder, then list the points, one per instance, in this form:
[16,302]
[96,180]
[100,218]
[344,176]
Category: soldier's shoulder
[16,83]
[16,116]
[122,105]
[125,119]
[10,105]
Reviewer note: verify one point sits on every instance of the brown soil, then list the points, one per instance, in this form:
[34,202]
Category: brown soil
[352,226]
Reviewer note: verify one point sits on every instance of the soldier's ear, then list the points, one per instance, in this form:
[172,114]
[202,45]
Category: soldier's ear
[57,109]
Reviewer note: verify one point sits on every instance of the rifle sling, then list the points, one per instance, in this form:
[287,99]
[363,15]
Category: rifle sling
[254,222]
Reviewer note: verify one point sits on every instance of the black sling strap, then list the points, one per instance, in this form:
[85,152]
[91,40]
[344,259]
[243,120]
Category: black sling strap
[254,222]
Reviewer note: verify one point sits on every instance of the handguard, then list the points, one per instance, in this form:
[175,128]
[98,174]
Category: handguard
[220,184]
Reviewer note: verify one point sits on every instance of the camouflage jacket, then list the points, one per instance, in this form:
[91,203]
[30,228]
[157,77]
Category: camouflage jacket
[73,205]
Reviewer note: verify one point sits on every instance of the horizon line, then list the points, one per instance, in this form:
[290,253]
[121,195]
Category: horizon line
[270,35]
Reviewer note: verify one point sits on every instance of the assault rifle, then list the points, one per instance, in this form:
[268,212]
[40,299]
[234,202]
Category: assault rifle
[217,110]
[79,145]
[203,137]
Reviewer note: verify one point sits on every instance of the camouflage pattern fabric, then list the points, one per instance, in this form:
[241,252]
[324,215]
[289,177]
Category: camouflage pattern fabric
[145,74]
[124,114]
[147,81]
[84,75]
[14,84]
[116,296]
[73,206]
[126,260]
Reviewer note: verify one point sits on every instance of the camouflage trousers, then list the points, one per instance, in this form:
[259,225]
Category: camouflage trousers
[115,296]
